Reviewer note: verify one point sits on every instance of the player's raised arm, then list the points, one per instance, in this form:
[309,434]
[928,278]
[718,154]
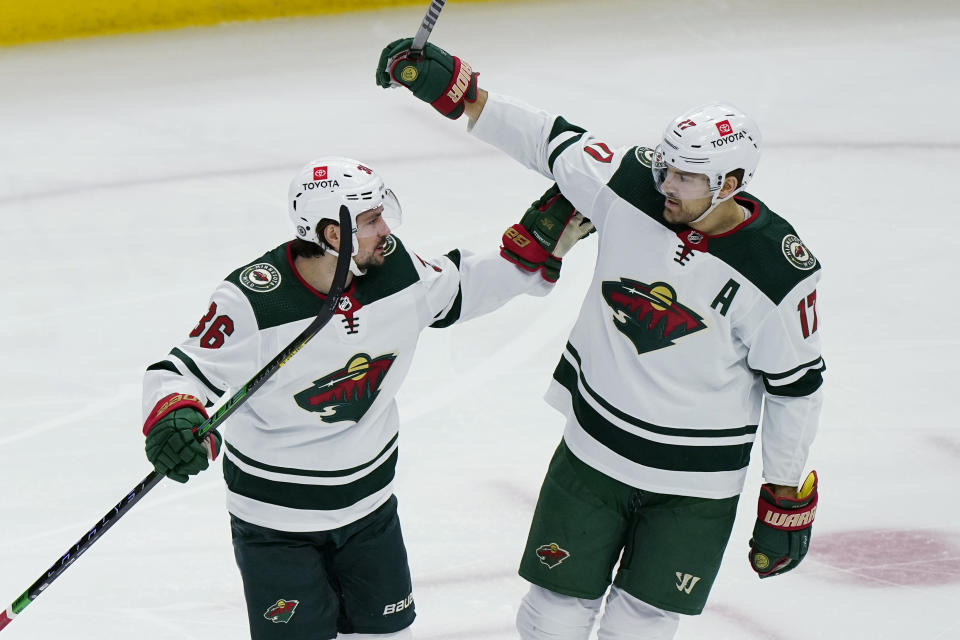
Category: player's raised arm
[580,163]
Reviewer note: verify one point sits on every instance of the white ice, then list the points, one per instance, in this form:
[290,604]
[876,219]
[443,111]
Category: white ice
[137,171]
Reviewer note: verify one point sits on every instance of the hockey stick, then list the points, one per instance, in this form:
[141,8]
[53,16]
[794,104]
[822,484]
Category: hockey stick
[326,313]
[429,20]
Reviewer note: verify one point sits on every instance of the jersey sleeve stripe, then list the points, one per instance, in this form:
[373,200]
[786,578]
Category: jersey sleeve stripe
[562,127]
[793,372]
[311,473]
[195,370]
[804,386]
[457,307]
[559,145]
[577,374]
[294,495]
[164,365]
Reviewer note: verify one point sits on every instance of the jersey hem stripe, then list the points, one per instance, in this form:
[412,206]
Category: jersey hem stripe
[644,451]
[304,496]
[629,419]
[310,473]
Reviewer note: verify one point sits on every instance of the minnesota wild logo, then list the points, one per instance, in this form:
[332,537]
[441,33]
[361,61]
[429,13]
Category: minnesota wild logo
[281,611]
[551,554]
[649,314]
[347,393]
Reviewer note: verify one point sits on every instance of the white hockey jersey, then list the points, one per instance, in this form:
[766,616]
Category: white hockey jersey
[315,448]
[681,336]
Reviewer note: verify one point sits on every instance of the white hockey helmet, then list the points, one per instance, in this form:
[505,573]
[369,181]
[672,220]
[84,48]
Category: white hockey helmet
[713,139]
[319,189]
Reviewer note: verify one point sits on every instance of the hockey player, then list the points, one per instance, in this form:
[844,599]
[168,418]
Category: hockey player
[701,310]
[310,457]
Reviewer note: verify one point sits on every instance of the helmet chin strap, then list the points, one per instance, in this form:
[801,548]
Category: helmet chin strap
[713,205]
[354,268]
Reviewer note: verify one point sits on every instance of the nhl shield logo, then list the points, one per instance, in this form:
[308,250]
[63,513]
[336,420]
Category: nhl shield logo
[281,611]
[649,314]
[551,554]
[347,393]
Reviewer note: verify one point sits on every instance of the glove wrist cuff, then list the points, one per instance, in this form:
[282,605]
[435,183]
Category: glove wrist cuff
[170,403]
[789,519]
[463,84]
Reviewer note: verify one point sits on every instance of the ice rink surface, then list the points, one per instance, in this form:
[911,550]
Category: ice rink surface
[137,171]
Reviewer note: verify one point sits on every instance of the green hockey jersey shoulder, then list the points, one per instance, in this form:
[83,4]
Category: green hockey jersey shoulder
[633,181]
[767,251]
[274,290]
[395,274]
[278,295]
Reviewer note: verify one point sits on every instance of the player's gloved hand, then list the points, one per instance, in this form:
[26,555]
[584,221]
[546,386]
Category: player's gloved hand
[436,77]
[781,535]
[171,445]
[546,232]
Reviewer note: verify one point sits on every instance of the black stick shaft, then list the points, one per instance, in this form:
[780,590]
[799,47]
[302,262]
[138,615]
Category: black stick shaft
[241,396]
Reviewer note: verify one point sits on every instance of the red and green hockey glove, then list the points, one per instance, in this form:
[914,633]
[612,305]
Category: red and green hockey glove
[435,76]
[547,231]
[781,536]
[172,448]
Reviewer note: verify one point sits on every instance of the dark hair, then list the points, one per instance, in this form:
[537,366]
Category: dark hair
[738,174]
[307,249]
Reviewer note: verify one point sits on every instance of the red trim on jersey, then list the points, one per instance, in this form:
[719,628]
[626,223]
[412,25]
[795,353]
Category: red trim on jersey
[752,205]
[347,292]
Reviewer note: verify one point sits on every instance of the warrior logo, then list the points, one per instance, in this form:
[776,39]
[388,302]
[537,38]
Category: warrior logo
[648,314]
[282,611]
[551,554]
[347,393]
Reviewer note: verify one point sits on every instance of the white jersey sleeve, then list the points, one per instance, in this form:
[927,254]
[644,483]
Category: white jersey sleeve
[579,162]
[460,285]
[220,354]
[785,351]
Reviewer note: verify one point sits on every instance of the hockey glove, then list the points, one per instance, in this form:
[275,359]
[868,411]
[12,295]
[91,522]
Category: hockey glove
[436,77]
[781,535]
[171,446]
[547,231]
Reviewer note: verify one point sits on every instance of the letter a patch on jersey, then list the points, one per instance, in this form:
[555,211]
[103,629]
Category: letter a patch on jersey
[347,393]
[649,314]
